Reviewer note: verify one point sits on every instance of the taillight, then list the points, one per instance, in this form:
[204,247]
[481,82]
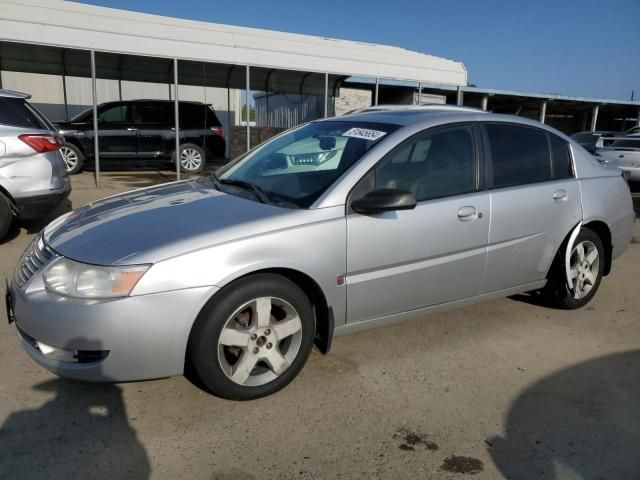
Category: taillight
[218,131]
[41,142]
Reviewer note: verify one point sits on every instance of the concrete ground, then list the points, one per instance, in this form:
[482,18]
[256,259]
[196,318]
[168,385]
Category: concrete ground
[505,389]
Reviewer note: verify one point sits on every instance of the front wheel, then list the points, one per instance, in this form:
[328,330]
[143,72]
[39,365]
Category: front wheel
[253,338]
[586,267]
[73,158]
[191,158]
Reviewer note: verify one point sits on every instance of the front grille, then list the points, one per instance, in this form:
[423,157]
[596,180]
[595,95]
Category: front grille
[36,256]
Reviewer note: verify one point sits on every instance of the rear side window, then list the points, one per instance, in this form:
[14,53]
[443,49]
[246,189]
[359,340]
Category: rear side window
[519,155]
[560,158]
[114,114]
[152,113]
[17,113]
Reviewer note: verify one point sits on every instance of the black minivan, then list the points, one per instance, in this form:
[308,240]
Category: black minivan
[144,129]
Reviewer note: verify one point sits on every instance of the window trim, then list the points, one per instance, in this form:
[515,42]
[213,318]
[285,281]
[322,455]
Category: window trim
[479,157]
[489,157]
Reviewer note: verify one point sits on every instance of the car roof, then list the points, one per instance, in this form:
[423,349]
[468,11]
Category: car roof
[13,94]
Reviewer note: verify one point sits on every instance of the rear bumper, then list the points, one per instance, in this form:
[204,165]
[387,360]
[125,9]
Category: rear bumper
[41,205]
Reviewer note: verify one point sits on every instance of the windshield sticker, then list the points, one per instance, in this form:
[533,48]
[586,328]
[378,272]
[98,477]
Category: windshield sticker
[364,133]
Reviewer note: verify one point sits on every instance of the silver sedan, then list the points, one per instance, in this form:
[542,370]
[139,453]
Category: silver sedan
[333,227]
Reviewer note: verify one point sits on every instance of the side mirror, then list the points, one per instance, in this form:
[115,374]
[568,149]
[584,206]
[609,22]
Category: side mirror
[384,200]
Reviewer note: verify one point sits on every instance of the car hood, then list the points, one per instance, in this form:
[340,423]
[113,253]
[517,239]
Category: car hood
[155,223]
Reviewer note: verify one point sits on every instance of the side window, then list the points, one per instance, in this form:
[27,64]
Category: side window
[519,155]
[153,114]
[436,164]
[560,158]
[115,114]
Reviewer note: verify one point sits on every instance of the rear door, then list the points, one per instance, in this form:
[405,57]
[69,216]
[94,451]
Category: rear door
[535,202]
[155,126]
[405,260]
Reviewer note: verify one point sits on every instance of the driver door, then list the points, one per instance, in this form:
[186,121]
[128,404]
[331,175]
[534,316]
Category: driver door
[405,260]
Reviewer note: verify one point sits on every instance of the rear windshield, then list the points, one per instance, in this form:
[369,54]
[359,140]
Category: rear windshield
[583,137]
[18,113]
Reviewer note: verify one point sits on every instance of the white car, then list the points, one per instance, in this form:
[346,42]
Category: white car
[624,154]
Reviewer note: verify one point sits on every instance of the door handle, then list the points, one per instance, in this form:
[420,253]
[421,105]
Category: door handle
[560,195]
[466,214]
[132,129]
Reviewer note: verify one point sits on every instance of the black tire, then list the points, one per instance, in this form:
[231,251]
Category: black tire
[185,165]
[557,291]
[72,169]
[6,217]
[203,349]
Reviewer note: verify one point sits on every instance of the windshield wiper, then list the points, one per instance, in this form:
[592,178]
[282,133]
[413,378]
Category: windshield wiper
[257,191]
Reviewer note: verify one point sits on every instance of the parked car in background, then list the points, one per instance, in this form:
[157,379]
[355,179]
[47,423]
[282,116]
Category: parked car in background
[333,227]
[144,129]
[33,178]
[624,154]
[589,140]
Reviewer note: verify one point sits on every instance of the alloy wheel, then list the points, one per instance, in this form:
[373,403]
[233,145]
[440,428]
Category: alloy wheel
[70,158]
[260,341]
[584,268]
[190,159]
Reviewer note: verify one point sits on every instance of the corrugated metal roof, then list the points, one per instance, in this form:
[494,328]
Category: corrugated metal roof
[74,25]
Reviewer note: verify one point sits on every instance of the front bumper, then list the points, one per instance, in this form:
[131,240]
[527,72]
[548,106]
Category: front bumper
[41,205]
[141,337]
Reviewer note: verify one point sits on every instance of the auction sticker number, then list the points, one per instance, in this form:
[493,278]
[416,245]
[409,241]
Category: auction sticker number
[364,133]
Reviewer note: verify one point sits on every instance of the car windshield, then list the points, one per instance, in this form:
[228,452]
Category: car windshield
[626,143]
[298,166]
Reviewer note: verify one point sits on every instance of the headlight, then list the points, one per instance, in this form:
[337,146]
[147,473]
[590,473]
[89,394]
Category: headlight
[75,279]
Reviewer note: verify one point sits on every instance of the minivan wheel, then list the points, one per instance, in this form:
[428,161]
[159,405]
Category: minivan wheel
[5,216]
[586,267]
[73,158]
[252,338]
[191,158]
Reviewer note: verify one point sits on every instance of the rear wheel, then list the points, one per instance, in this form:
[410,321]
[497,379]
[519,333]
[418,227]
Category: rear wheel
[253,338]
[191,158]
[586,267]
[73,158]
[5,216]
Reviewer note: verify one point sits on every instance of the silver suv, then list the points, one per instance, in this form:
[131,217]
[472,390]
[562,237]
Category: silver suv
[330,228]
[33,178]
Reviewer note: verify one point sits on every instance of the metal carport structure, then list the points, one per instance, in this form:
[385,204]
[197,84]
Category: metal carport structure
[69,39]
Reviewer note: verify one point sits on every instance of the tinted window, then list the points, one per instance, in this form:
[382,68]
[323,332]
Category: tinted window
[114,114]
[432,165]
[16,112]
[192,115]
[627,143]
[560,158]
[519,155]
[150,113]
[584,137]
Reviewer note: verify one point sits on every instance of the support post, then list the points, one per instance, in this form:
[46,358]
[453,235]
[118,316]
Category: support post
[638,119]
[419,98]
[326,95]
[485,102]
[460,97]
[594,117]
[94,94]
[246,103]
[543,111]
[176,107]
[375,97]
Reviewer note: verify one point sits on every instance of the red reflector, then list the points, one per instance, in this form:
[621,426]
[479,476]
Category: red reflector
[218,131]
[41,142]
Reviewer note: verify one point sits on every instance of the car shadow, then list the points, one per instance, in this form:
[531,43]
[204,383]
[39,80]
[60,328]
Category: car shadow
[533,298]
[82,432]
[578,424]
[35,225]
